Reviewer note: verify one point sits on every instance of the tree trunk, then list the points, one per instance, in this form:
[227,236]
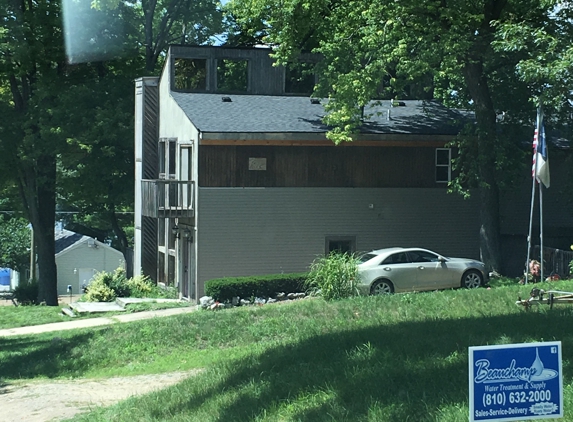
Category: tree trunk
[38,190]
[489,192]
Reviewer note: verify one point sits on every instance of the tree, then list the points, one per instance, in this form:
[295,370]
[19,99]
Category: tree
[376,49]
[166,22]
[32,67]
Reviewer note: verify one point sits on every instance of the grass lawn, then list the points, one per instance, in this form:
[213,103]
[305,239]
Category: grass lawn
[393,358]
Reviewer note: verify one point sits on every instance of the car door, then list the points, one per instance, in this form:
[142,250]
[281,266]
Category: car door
[432,272]
[400,271]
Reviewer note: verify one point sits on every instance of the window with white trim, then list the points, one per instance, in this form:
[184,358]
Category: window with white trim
[443,165]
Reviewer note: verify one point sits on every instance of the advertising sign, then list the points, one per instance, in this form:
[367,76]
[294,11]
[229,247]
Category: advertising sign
[516,382]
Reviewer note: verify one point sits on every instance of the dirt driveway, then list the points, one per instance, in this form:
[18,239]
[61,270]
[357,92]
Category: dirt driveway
[42,401]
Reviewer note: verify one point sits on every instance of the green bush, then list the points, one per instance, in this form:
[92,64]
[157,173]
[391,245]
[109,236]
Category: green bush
[118,282]
[105,287]
[27,293]
[224,289]
[334,276]
[140,286]
[99,291]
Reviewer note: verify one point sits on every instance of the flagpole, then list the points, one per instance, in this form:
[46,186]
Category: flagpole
[530,229]
[541,227]
[534,178]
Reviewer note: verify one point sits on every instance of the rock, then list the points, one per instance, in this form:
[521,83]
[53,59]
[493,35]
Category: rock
[236,301]
[271,301]
[206,301]
[245,302]
[260,301]
[281,296]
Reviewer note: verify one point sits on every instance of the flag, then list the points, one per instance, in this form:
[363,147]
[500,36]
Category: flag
[540,167]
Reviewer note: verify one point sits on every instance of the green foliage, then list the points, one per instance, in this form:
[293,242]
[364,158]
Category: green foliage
[27,293]
[224,289]
[105,287]
[99,290]
[14,243]
[118,282]
[334,276]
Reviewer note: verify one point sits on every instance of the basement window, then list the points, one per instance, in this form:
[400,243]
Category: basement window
[443,165]
[232,75]
[341,244]
[190,74]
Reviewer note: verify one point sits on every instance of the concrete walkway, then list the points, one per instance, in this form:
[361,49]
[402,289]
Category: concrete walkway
[94,322]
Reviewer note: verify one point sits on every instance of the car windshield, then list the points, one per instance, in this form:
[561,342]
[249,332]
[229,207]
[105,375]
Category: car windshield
[366,257]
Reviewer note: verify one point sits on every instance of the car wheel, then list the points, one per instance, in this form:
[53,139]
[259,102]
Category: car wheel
[472,279]
[381,287]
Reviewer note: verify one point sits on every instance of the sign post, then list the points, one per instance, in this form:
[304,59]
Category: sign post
[516,382]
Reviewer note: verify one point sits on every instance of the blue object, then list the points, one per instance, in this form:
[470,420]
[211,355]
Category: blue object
[5,276]
[516,382]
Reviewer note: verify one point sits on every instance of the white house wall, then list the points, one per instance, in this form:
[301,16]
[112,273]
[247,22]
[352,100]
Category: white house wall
[173,123]
[102,258]
[247,231]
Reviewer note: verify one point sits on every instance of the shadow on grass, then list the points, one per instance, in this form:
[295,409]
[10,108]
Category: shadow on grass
[48,355]
[406,371]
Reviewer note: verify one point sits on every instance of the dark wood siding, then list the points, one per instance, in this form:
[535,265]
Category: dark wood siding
[342,166]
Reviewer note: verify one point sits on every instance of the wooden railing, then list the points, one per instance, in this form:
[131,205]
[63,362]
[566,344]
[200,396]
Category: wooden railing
[167,198]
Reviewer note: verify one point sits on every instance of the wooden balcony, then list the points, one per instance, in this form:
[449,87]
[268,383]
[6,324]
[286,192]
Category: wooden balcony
[167,198]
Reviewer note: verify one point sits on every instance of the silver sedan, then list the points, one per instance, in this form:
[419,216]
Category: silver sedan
[391,270]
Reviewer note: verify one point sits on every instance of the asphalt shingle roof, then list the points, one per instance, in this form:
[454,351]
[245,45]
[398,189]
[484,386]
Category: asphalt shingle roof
[277,114]
[65,238]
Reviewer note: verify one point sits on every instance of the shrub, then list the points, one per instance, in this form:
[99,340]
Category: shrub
[334,276]
[27,293]
[118,282]
[99,291]
[224,289]
[140,286]
[105,287]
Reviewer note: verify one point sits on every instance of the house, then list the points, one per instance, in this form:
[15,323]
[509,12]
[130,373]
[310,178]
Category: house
[245,182]
[79,258]
[236,176]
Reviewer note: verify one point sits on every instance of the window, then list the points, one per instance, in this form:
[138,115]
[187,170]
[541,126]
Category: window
[299,78]
[161,158]
[232,75]
[166,155]
[342,244]
[443,165]
[398,258]
[423,256]
[190,74]
[171,163]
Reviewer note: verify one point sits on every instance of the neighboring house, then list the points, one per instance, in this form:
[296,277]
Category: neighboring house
[79,258]
[240,179]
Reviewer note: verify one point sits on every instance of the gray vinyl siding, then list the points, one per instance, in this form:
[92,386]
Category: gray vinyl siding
[247,231]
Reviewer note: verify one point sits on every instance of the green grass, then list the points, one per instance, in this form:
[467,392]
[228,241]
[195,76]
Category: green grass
[394,358]
[23,316]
